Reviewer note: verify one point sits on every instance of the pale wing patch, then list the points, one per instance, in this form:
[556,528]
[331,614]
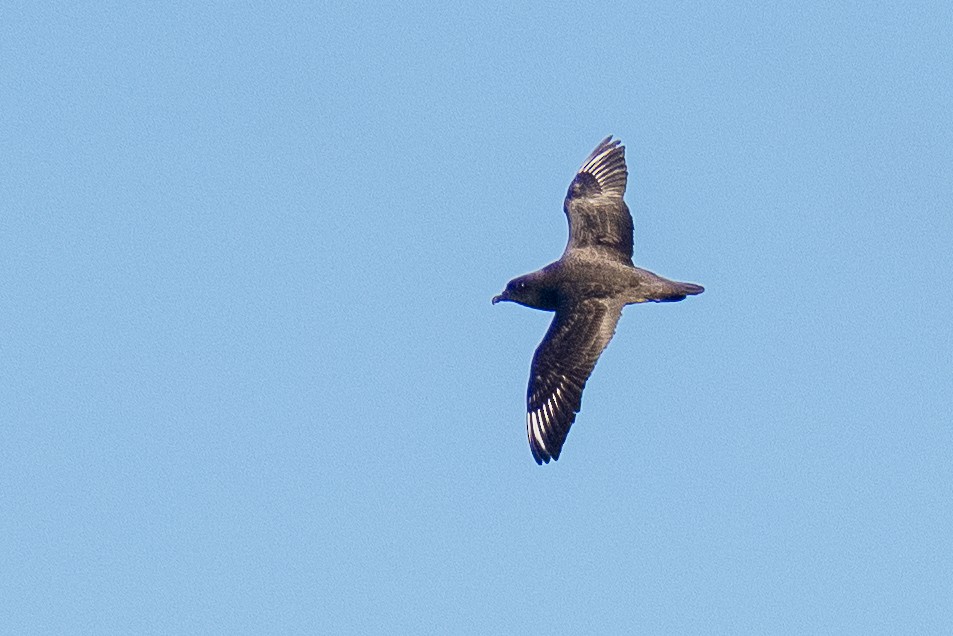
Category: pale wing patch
[534,430]
[543,425]
[607,165]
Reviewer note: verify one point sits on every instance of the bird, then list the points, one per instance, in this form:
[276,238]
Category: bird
[586,288]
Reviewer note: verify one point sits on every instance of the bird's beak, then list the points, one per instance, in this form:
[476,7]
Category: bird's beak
[497,299]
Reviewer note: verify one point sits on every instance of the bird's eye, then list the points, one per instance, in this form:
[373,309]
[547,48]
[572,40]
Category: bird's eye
[522,285]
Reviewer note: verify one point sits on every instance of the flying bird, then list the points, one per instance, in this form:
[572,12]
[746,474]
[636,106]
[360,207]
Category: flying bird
[587,288]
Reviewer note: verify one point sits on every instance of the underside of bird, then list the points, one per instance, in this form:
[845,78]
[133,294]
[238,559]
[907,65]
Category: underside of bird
[587,289]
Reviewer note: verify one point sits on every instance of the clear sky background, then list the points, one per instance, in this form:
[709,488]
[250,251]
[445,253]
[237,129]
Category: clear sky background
[252,381]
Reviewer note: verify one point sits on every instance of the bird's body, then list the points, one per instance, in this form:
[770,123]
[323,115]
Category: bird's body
[587,288]
[578,275]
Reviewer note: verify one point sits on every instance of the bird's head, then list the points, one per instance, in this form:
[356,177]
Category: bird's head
[526,290]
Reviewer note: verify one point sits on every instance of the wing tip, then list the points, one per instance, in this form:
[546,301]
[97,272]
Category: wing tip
[606,145]
[606,164]
[546,438]
[541,455]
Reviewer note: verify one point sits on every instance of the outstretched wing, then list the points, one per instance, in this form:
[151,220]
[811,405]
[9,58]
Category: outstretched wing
[562,364]
[598,217]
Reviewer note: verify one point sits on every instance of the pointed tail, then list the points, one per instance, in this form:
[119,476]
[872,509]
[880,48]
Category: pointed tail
[674,291]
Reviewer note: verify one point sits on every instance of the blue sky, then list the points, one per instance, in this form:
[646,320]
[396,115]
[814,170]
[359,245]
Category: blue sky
[252,381]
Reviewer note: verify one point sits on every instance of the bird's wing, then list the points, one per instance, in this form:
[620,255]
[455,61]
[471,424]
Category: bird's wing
[562,364]
[598,217]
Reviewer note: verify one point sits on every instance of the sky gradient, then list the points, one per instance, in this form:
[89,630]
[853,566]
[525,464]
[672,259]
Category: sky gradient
[252,381]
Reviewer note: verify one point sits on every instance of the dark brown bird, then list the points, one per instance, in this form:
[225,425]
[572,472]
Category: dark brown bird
[587,288]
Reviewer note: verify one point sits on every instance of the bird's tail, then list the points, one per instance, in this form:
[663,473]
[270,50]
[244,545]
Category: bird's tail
[673,291]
